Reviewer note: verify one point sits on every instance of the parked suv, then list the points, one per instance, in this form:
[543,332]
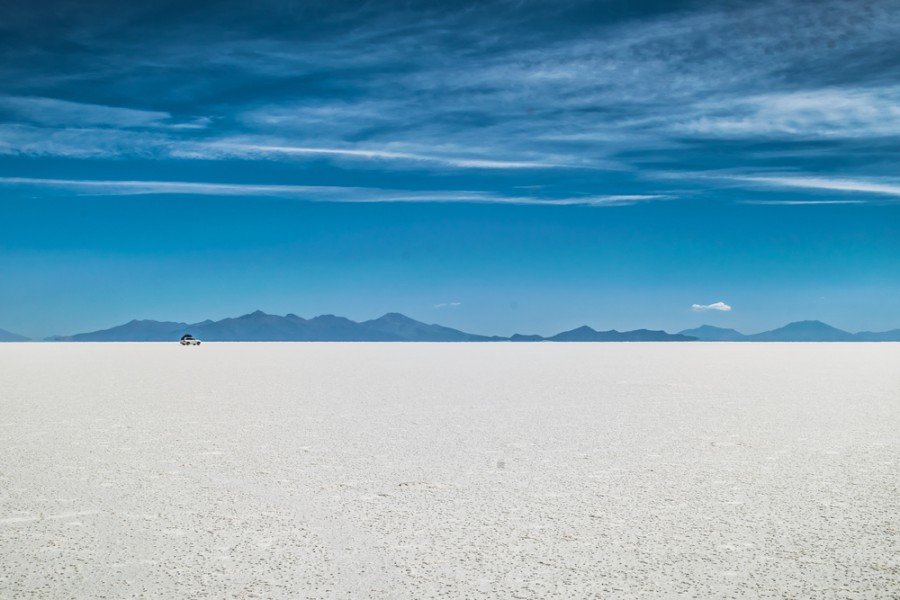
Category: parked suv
[189,340]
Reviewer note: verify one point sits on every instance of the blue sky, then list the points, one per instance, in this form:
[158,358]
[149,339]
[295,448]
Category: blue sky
[494,166]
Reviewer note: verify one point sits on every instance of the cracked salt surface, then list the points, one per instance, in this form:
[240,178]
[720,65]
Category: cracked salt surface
[390,471]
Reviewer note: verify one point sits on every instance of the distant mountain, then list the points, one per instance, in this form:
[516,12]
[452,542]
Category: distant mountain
[799,331]
[587,334]
[579,334]
[883,336]
[518,337]
[804,331]
[653,335]
[133,331]
[261,327]
[708,333]
[410,330]
[7,336]
[394,327]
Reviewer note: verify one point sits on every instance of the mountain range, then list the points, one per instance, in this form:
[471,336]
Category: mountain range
[261,327]
[800,331]
[395,327]
[392,327]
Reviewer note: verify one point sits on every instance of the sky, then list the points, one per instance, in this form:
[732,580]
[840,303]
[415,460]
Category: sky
[494,166]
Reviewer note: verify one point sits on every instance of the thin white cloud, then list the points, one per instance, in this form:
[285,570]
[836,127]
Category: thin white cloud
[126,187]
[50,111]
[198,123]
[823,183]
[801,202]
[241,150]
[819,113]
[67,114]
[100,142]
[498,164]
[620,200]
[448,305]
[313,193]
[857,187]
[29,140]
[719,306]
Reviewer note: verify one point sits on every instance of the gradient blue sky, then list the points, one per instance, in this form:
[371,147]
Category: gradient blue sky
[499,167]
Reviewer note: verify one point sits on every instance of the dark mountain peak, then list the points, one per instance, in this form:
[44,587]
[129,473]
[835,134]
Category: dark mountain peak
[805,331]
[654,335]
[519,337]
[401,327]
[331,318]
[255,315]
[582,329]
[579,334]
[712,328]
[134,322]
[395,317]
[810,325]
[711,333]
[642,335]
[586,334]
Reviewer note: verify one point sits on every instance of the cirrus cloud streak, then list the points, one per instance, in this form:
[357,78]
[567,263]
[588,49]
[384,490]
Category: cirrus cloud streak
[314,193]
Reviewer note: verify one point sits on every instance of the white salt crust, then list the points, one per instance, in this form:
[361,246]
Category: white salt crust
[471,471]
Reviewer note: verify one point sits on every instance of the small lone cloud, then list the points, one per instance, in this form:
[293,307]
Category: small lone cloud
[448,305]
[721,306]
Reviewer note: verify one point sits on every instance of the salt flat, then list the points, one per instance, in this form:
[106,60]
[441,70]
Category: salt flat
[450,471]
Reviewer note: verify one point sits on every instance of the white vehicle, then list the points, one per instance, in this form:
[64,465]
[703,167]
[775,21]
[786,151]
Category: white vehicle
[189,340]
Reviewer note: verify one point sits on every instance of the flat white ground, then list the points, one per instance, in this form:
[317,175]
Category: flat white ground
[450,470]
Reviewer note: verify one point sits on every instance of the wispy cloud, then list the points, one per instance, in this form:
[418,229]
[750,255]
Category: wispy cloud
[50,111]
[827,113]
[243,150]
[862,191]
[94,142]
[824,183]
[314,193]
[56,112]
[715,306]
[448,305]
[801,202]
[478,88]
[82,142]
